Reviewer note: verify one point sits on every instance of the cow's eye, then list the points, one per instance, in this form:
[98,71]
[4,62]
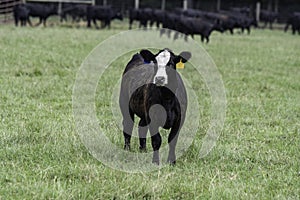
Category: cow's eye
[171,65]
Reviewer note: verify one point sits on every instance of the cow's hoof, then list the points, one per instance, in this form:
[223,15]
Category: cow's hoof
[156,162]
[171,160]
[126,147]
[143,149]
[172,163]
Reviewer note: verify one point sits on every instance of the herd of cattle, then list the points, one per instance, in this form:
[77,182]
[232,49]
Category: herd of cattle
[189,22]
[105,14]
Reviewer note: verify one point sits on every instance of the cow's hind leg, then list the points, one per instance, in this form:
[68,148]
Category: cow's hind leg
[156,143]
[172,140]
[207,39]
[95,23]
[40,21]
[143,129]
[248,30]
[202,38]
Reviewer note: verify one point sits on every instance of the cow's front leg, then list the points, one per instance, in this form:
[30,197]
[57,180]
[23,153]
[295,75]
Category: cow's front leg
[156,143]
[127,132]
[44,22]
[130,23]
[89,23]
[95,23]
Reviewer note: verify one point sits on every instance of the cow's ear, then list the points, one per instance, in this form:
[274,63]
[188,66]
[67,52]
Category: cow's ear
[147,55]
[183,57]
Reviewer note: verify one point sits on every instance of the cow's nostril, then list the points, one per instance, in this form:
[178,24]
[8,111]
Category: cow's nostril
[160,80]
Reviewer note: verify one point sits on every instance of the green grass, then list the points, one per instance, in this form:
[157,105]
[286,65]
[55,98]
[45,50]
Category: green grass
[42,157]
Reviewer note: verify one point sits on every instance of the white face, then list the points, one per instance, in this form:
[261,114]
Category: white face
[161,77]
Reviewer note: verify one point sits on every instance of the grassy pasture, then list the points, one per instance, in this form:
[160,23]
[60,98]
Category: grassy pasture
[41,156]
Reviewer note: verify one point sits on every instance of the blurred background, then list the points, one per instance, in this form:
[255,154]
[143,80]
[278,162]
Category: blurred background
[283,8]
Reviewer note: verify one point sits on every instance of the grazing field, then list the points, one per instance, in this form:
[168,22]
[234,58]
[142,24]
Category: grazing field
[42,157]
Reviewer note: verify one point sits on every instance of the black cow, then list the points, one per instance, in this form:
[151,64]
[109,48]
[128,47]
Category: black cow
[268,17]
[241,20]
[294,22]
[134,14]
[227,22]
[202,27]
[150,80]
[191,26]
[41,11]
[104,13]
[191,13]
[243,10]
[158,17]
[77,12]
[21,13]
[172,21]
[143,16]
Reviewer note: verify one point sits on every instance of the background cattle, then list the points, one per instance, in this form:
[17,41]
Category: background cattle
[41,11]
[191,26]
[103,13]
[241,19]
[77,13]
[158,17]
[21,14]
[181,20]
[294,22]
[244,10]
[268,17]
[143,16]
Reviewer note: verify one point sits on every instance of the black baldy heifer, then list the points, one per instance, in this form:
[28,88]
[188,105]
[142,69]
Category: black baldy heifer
[153,90]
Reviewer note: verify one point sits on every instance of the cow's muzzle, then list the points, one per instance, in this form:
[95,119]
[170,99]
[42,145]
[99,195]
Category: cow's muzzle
[160,81]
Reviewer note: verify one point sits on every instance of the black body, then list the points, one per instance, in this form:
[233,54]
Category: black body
[138,94]
[41,11]
[104,13]
[294,22]
[21,14]
[77,12]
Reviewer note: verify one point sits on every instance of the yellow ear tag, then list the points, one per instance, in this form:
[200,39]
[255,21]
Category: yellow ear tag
[180,65]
